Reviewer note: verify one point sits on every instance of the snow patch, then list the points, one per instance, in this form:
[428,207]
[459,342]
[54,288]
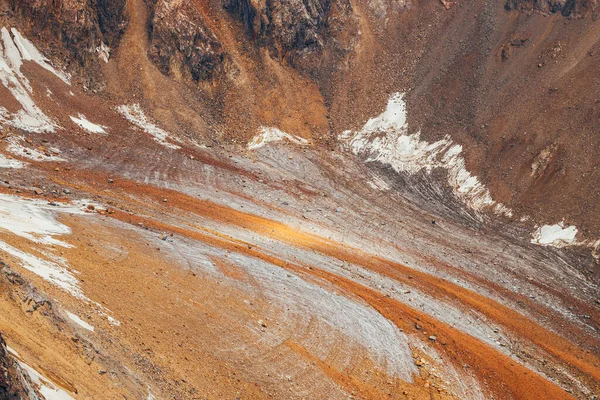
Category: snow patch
[557,235]
[43,385]
[112,321]
[103,52]
[378,184]
[12,54]
[560,236]
[12,351]
[269,134]
[385,139]
[16,146]
[134,114]
[33,219]
[30,53]
[10,162]
[80,322]
[83,123]
[47,270]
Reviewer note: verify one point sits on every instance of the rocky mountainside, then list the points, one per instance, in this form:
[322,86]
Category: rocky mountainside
[75,32]
[299,199]
[11,385]
[511,82]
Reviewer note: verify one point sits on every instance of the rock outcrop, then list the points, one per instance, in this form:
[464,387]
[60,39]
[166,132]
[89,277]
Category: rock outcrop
[12,384]
[568,8]
[305,33]
[284,25]
[181,43]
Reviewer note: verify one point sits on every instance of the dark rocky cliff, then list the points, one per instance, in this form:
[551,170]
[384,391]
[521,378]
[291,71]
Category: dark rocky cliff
[181,43]
[309,34]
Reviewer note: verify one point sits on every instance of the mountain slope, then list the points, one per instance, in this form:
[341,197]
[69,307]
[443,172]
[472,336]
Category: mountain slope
[299,199]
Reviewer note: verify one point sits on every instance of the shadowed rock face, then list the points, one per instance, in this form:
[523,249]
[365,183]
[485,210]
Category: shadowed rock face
[566,7]
[298,30]
[284,25]
[112,19]
[180,43]
[81,26]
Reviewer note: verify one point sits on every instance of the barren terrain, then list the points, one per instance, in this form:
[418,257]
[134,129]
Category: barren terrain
[371,210]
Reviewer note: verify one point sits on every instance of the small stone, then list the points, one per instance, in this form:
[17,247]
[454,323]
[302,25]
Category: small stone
[433,338]
[38,191]
[164,200]
[111,181]
[102,372]
[262,323]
